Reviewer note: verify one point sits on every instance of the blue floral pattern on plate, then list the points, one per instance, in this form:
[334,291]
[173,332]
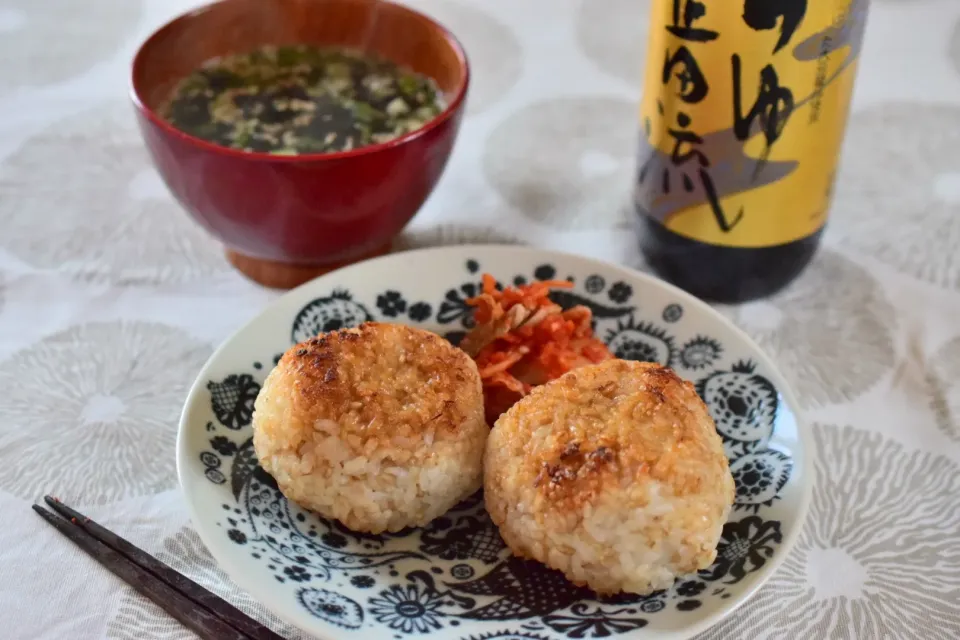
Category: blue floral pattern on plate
[455,578]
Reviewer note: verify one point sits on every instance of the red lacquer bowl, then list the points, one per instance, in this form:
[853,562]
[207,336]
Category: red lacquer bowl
[286,219]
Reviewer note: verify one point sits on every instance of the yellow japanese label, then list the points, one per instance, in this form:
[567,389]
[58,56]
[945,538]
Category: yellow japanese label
[744,108]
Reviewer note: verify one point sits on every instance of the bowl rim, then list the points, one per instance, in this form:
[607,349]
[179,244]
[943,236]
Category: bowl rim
[459,96]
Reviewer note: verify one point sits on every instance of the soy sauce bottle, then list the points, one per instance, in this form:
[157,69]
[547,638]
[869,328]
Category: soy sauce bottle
[744,110]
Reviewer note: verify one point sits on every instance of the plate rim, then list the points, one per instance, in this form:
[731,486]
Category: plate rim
[804,435]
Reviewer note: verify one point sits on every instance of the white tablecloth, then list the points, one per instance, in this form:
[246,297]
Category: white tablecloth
[110,299]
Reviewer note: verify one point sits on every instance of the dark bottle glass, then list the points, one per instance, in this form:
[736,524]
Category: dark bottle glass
[723,274]
[744,109]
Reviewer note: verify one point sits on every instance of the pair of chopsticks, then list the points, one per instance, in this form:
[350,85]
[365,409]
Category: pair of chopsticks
[201,611]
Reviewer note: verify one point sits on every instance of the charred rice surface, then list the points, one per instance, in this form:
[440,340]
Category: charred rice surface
[613,474]
[380,426]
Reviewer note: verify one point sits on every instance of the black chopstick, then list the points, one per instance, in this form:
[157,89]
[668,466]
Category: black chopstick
[172,578]
[196,608]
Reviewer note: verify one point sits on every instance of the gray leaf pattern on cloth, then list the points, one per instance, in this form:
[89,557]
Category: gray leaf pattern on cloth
[452,234]
[943,381]
[567,163]
[878,556]
[831,331]
[53,41]
[495,54]
[954,46]
[898,191]
[613,35]
[138,618]
[114,218]
[90,413]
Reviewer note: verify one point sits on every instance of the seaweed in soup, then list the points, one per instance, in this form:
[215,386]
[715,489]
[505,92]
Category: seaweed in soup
[295,99]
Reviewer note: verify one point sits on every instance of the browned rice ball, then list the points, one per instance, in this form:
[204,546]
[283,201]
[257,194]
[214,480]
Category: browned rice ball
[613,474]
[380,427]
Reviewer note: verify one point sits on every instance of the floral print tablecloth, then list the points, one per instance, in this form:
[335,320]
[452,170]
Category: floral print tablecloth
[111,299]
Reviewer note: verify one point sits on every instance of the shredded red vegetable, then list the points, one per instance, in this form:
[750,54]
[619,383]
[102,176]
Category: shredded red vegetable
[522,339]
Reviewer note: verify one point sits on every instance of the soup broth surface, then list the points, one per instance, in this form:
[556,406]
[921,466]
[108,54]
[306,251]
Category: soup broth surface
[296,99]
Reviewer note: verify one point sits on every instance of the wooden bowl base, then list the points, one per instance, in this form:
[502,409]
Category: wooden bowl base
[280,275]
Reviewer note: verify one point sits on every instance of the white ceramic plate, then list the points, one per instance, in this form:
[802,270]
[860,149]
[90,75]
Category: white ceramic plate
[455,579]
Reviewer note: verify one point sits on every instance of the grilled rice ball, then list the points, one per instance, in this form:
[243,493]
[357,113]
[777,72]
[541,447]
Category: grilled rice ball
[380,427]
[613,474]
